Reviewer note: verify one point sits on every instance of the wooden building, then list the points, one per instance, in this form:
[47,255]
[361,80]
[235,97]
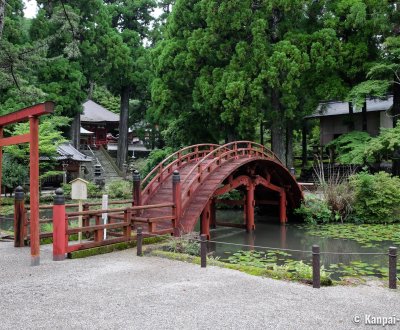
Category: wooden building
[96,124]
[335,119]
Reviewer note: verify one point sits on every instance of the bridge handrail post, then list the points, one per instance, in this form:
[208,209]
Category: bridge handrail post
[177,200]
[137,190]
[60,238]
[19,217]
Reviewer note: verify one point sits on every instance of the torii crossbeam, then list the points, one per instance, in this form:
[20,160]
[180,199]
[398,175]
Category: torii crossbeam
[32,114]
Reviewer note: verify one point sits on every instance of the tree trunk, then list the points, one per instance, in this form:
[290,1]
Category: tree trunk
[289,144]
[396,114]
[261,133]
[304,144]
[123,127]
[91,90]
[278,129]
[2,15]
[75,132]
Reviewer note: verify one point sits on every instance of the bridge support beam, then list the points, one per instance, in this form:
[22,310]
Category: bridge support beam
[205,220]
[213,218]
[282,207]
[250,226]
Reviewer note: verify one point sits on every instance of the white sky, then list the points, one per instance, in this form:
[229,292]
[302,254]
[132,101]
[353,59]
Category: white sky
[30,8]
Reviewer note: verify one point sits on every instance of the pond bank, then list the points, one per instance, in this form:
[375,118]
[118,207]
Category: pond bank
[121,290]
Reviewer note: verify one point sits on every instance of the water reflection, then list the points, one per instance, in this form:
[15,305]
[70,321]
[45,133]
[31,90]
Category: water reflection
[269,233]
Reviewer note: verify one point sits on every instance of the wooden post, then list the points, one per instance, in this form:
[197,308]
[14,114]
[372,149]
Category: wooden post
[86,219]
[80,219]
[203,251]
[139,241]
[19,217]
[392,268]
[60,237]
[250,208]
[128,219]
[316,267]
[136,193]
[98,233]
[205,221]
[177,200]
[282,207]
[34,190]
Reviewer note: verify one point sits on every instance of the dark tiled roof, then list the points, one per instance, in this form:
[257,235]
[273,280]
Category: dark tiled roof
[67,151]
[95,113]
[341,108]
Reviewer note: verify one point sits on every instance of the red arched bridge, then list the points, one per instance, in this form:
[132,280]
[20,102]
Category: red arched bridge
[196,178]
[172,198]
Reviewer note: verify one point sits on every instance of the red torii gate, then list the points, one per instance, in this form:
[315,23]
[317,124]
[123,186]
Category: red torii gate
[32,114]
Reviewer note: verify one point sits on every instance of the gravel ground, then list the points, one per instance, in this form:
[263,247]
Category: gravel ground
[120,290]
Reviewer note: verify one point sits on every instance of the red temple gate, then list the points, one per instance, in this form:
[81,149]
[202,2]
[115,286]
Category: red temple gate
[32,114]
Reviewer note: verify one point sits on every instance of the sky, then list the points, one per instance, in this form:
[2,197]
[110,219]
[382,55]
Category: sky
[30,8]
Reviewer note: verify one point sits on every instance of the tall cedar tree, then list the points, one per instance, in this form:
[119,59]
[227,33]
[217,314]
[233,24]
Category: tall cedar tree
[131,20]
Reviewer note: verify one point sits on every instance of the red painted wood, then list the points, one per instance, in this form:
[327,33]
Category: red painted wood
[201,178]
[250,226]
[24,114]
[177,200]
[60,239]
[34,189]
[24,138]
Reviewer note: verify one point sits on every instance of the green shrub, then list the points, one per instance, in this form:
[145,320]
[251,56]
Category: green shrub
[315,210]
[119,189]
[377,197]
[93,190]
[350,148]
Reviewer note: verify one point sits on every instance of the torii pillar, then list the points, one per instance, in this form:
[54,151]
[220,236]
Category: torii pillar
[32,114]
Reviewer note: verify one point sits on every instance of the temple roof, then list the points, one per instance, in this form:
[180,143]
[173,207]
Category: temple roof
[66,151]
[95,113]
[341,108]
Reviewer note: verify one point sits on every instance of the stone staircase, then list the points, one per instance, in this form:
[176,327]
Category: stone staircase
[110,171]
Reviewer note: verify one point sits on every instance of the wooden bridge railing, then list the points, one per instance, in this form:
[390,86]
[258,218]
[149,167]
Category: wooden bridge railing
[22,218]
[218,156]
[171,163]
[120,224]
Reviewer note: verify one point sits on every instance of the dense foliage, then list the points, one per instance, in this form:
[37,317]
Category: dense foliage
[364,198]
[377,198]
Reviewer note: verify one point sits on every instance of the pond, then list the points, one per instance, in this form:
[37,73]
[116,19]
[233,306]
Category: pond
[269,233]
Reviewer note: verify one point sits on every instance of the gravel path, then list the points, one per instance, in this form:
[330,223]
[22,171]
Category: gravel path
[122,291]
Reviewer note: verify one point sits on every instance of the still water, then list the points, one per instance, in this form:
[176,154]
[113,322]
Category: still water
[269,233]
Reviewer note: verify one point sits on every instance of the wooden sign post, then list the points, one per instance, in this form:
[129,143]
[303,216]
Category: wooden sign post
[79,192]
